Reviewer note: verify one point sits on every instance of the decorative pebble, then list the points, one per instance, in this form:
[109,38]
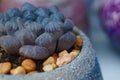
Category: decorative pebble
[18,71]
[75,52]
[78,43]
[29,65]
[64,59]
[50,60]
[5,67]
[48,67]
[62,53]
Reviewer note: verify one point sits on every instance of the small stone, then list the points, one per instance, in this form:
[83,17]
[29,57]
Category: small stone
[78,43]
[18,71]
[5,67]
[29,65]
[75,52]
[62,53]
[64,59]
[54,65]
[48,67]
[50,60]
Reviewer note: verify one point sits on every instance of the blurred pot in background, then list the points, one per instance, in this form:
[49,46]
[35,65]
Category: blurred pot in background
[74,9]
[110,15]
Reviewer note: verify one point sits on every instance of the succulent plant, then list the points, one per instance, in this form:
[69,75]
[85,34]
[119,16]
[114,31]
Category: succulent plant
[29,15]
[35,28]
[26,37]
[34,52]
[13,12]
[47,41]
[11,27]
[68,25]
[19,22]
[35,32]
[2,29]
[10,44]
[55,27]
[54,9]
[28,7]
[42,11]
[58,16]
[4,18]
[1,17]
[66,41]
[45,21]
[39,19]
[27,23]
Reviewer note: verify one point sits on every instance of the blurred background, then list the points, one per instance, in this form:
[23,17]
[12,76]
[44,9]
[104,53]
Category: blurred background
[98,19]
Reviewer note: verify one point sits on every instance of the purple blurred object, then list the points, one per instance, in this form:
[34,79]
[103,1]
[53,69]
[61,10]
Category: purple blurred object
[110,12]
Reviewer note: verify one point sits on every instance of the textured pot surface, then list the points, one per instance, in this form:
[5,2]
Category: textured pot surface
[84,67]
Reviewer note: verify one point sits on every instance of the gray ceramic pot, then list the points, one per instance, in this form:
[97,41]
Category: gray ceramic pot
[84,67]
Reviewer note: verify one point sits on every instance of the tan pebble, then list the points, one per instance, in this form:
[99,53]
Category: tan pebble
[12,71]
[48,67]
[62,53]
[54,65]
[64,60]
[18,71]
[29,65]
[59,62]
[72,56]
[50,60]
[78,42]
[75,52]
[5,67]
[33,72]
